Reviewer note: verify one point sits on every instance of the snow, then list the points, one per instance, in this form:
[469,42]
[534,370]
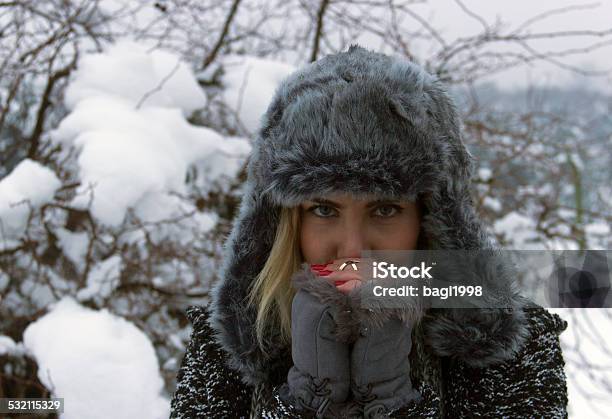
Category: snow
[598,235]
[73,244]
[133,156]
[28,186]
[102,365]
[7,345]
[492,203]
[129,71]
[588,360]
[484,173]
[102,279]
[598,229]
[173,271]
[249,85]
[11,348]
[520,228]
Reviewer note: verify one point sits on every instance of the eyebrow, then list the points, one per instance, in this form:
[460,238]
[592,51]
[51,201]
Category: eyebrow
[369,205]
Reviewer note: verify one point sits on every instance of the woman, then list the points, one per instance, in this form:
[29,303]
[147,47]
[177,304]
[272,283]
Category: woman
[359,152]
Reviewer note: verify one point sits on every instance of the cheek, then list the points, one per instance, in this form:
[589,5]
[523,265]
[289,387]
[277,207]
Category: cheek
[315,242]
[411,233]
[401,235]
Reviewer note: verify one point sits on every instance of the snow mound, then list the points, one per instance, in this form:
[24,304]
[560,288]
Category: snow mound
[102,365]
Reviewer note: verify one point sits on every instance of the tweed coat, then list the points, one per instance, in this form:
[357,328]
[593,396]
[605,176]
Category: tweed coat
[365,123]
[532,384]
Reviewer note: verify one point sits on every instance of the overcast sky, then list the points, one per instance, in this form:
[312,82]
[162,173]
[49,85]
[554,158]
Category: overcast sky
[448,16]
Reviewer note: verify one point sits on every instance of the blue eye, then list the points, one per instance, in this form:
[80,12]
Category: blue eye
[382,211]
[394,209]
[322,214]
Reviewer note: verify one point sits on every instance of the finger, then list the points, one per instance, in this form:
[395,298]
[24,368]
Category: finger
[348,286]
[345,275]
[336,278]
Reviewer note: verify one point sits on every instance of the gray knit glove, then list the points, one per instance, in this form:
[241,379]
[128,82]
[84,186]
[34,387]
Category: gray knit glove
[319,380]
[380,368]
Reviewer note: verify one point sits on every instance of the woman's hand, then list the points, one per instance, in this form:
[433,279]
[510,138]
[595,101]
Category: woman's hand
[345,280]
[319,379]
[380,365]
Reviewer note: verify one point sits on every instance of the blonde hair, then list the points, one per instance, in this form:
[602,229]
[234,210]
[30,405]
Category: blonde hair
[271,291]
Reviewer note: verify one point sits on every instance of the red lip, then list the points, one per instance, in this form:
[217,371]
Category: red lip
[340,282]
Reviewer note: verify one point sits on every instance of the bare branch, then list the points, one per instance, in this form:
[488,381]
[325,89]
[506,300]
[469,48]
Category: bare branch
[228,21]
[45,103]
[477,17]
[318,30]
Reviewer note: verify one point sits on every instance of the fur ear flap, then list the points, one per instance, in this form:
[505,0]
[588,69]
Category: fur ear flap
[491,332]
[477,337]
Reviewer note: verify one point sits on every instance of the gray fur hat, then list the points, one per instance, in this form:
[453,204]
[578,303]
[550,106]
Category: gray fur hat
[361,122]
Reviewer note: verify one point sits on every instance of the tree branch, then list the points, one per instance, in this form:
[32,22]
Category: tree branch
[319,30]
[228,21]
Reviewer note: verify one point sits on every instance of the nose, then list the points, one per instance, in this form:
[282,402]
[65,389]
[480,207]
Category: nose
[352,241]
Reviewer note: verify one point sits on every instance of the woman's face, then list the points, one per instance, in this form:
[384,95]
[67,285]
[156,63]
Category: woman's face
[340,226]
